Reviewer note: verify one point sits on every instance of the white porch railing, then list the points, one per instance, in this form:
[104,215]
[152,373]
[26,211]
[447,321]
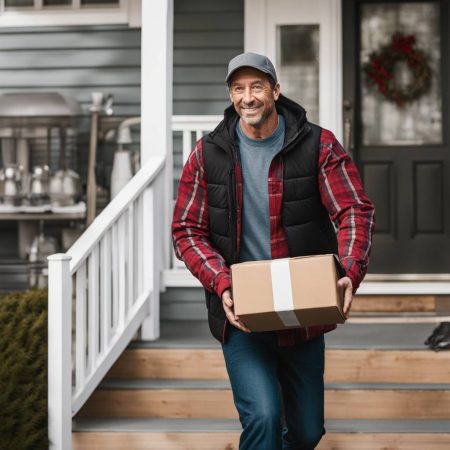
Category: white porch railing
[193,127]
[108,283]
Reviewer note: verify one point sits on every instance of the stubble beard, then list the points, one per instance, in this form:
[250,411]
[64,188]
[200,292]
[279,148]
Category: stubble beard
[258,120]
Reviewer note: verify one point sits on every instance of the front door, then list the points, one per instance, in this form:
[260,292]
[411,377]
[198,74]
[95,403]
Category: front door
[396,101]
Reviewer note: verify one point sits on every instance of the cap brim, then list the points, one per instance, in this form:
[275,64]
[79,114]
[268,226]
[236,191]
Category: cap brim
[267,72]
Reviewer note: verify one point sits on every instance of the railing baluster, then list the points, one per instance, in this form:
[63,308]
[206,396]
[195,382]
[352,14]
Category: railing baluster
[130,257]
[105,290]
[115,278]
[187,144]
[136,249]
[140,250]
[93,304]
[198,134]
[80,332]
[121,274]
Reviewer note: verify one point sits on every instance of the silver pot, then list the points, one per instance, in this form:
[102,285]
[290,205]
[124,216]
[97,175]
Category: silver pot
[42,247]
[12,185]
[64,188]
[39,186]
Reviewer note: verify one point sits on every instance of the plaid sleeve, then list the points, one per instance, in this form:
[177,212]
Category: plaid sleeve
[190,228]
[351,211]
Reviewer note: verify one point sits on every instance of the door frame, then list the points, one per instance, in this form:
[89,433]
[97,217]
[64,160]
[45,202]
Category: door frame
[260,20]
[351,92]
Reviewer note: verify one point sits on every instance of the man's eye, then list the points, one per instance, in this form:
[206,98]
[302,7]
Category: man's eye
[257,88]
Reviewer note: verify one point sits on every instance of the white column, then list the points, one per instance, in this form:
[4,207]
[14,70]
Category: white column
[156,78]
[156,123]
[59,352]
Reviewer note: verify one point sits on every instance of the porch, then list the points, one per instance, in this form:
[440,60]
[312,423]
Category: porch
[121,277]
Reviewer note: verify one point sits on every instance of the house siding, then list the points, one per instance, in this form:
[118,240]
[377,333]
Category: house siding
[207,34]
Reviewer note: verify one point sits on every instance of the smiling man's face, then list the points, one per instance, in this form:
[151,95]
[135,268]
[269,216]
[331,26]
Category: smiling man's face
[253,96]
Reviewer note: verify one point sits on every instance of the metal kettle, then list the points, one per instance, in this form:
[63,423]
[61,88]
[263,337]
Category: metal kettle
[39,186]
[12,184]
[64,188]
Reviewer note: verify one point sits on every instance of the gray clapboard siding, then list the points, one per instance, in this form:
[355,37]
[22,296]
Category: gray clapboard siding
[209,21]
[69,38]
[216,40]
[207,33]
[218,6]
[198,56]
[91,78]
[74,60]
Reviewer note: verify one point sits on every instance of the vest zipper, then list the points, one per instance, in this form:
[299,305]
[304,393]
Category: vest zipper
[237,207]
[298,137]
[232,216]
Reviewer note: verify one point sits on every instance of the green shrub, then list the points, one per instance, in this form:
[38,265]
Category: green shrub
[23,371]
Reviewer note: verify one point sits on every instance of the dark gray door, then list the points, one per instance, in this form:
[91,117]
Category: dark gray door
[401,147]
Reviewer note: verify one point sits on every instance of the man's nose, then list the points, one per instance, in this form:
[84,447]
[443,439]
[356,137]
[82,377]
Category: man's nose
[248,95]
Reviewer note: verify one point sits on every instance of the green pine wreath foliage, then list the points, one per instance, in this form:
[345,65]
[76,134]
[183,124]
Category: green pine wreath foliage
[23,371]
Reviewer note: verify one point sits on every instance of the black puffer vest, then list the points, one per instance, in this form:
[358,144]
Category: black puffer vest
[306,222]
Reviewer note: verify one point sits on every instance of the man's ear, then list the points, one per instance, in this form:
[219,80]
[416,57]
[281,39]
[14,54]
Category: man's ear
[276,91]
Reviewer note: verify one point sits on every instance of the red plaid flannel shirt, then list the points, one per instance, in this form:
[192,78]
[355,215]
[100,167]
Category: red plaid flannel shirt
[341,193]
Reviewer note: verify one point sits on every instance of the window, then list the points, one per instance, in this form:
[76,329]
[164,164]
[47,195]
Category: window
[32,13]
[45,4]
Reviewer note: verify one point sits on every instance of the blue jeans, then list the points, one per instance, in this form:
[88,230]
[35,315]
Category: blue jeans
[278,391]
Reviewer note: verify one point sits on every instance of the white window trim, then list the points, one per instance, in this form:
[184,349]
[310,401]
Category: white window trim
[127,12]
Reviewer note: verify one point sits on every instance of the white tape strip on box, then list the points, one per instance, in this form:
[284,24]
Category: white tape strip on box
[282,292]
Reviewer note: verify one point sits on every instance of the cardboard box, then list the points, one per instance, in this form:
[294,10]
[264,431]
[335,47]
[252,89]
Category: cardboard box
[288,292]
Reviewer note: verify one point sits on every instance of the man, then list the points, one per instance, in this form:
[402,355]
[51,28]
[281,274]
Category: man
[264,185]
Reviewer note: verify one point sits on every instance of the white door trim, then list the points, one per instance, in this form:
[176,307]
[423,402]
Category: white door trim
[260,20]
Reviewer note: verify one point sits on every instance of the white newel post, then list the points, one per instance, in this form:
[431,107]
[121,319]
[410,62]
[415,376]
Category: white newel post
[59,352]
[150,326]
[156,127]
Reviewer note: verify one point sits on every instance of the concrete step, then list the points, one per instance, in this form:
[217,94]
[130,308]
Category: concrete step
[199,399]
[210,434]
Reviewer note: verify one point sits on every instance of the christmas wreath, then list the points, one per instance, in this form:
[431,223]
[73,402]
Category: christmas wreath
[380,70]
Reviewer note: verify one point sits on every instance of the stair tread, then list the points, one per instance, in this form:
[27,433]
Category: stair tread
[225,384]
[404,336]
[229,425]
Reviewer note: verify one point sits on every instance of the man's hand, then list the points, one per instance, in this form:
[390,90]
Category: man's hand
[346,284]
[228,307]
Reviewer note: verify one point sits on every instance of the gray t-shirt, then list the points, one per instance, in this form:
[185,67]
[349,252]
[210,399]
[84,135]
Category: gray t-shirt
[256,156]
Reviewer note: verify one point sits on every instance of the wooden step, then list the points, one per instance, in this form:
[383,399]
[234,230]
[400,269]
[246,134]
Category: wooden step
[350,366]
[145,434]
[394,303]
[199,399]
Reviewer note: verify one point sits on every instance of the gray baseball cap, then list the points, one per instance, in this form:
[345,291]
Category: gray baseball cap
[254,60]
